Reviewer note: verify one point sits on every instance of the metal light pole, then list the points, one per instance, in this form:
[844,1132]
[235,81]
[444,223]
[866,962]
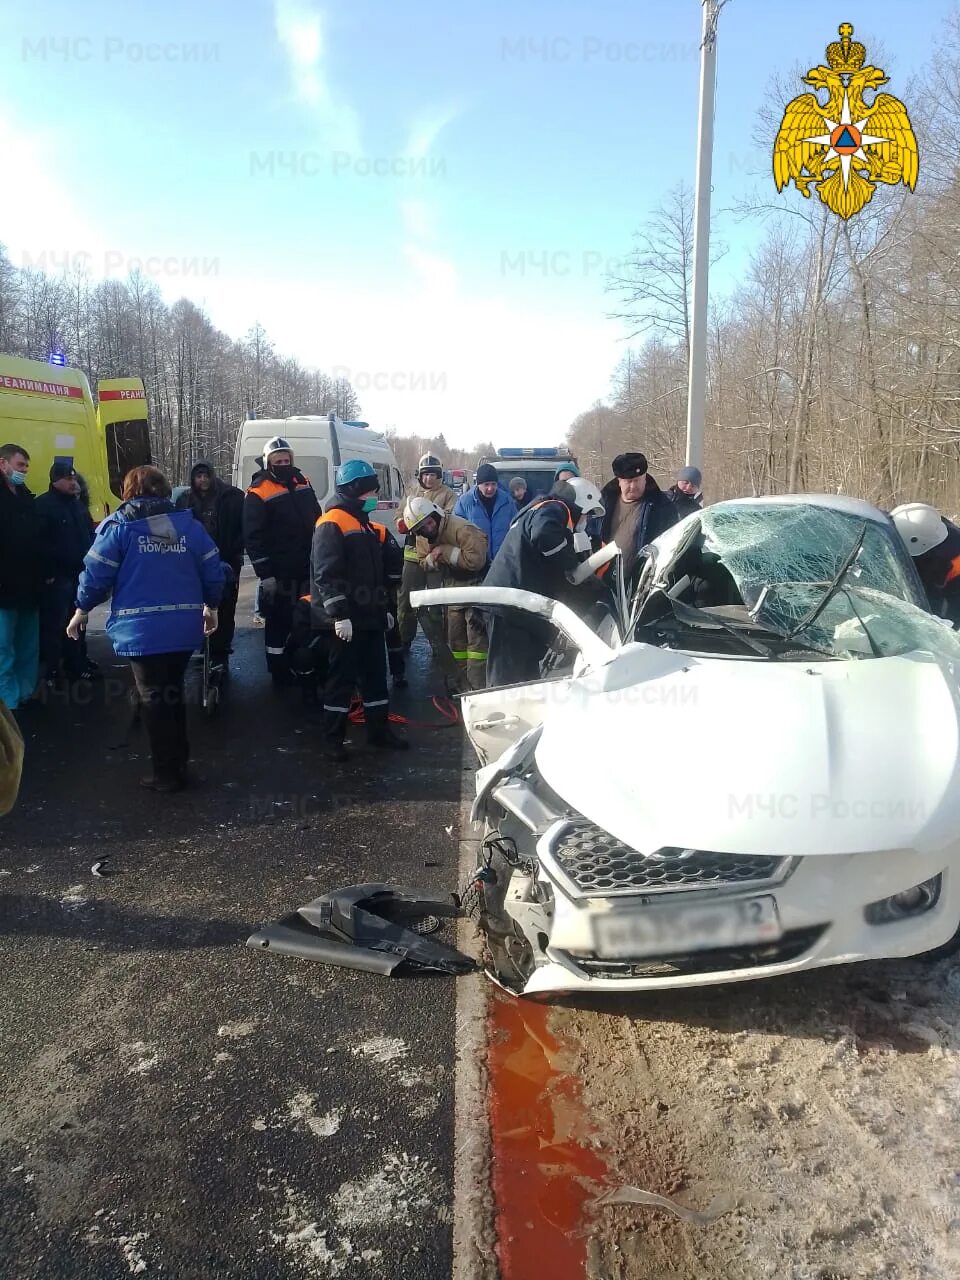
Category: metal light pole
[697,373]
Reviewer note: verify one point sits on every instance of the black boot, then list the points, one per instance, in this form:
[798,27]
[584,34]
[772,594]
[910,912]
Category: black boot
[385,737]
[334,732]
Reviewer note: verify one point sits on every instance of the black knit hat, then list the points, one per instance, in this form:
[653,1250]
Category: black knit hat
[61,471]
[486,473]
[628,465]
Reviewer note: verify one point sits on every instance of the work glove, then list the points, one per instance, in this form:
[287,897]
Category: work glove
[268,592]
[210,622]
[391,621]
[344,629]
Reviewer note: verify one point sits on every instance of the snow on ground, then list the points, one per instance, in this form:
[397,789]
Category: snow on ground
[827,1108]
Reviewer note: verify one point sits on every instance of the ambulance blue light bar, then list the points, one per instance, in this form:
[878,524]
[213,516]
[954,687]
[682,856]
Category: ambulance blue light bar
[58,358]
[528,453]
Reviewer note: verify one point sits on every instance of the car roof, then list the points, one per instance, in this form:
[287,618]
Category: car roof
[834,501]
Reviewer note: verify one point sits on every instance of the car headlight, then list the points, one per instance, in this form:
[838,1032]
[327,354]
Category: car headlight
[905,904]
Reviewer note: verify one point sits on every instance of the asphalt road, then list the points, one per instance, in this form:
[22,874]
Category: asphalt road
[171,1100]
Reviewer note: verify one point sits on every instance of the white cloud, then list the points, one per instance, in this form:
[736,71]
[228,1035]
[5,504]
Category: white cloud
[426,353]
[49,224]
[426,129]
[300,29]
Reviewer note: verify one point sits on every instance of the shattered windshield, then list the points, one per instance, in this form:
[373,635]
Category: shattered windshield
[859,622]
[770,568]
[781,543]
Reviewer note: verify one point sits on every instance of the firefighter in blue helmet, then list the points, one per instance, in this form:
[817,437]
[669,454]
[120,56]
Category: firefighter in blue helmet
[355,567]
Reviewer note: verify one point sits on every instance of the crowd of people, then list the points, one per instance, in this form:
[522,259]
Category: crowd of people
[334,585]
[333,588]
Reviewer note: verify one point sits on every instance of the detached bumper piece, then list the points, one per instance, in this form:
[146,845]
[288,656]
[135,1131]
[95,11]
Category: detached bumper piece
[365,926]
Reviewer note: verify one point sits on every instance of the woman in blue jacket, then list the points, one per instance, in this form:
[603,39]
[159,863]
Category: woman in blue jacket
[489,507]
[163,572]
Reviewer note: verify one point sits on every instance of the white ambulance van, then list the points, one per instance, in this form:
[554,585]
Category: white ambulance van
[320,443]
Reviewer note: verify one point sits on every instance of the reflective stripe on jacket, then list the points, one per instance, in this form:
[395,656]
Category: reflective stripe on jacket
[278,521]
[355,566]
[160,566]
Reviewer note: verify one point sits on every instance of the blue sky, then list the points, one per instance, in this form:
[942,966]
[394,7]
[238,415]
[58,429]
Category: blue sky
[424,197]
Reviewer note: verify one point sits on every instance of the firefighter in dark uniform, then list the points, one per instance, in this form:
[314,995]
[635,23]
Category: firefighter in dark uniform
[934,543]
[537,554]
[355,566]
[279,512]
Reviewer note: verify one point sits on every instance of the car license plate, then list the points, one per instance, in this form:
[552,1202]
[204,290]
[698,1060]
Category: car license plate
[664,930]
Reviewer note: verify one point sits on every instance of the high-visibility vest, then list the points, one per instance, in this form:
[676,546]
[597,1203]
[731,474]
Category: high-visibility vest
[545,502]
[347,523]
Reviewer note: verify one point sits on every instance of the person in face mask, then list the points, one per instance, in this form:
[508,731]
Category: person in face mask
[355,567]
[279,513]
[24,568]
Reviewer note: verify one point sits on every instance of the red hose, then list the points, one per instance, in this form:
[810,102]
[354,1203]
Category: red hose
[450,715]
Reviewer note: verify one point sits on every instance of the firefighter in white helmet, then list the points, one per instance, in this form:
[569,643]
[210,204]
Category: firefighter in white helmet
[429,485]
[457,550]
[934,543]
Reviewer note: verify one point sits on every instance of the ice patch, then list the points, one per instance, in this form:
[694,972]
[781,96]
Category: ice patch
[381,1049]
[130,1244]
[131,1254]
[302,1107]
[397,1192]
[236,1030]
[146,1057]
[301,1235]
[73,897]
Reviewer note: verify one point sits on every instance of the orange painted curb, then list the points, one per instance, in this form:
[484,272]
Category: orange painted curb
[540,1169]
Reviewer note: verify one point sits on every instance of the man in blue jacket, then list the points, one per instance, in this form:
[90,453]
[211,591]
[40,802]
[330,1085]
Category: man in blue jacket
[488,507]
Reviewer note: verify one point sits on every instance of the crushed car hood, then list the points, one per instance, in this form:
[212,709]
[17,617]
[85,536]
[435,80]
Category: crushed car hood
[787,758]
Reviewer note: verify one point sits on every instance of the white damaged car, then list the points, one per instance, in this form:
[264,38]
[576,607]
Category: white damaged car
[753,771]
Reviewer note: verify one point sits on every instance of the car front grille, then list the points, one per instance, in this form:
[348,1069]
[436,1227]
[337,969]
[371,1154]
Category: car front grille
[594,864]
[792,945]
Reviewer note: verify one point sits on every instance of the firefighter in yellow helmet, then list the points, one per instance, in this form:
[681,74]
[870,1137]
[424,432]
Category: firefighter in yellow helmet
[429,485]
[457,550]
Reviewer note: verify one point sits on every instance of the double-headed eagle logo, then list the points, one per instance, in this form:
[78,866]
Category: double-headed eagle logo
[845,145]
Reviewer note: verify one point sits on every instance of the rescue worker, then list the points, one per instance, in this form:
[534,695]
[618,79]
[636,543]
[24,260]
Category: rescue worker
[219,508]
[458,550]
[686,495]
[354,562]
[162,574]
[68,534]
[636,510]
[489,507]
[279,513]
[537,555]
[429,485]
[934,543]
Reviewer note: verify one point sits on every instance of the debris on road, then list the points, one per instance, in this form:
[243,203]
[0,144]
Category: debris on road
[635,1195]
[371,927]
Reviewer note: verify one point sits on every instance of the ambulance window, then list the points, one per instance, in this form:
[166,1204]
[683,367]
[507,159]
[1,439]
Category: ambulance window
[128,446]
[315,469]
[397,483]
[383,475]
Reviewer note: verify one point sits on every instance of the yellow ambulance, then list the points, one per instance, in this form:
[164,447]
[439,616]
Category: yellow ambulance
[49,410]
